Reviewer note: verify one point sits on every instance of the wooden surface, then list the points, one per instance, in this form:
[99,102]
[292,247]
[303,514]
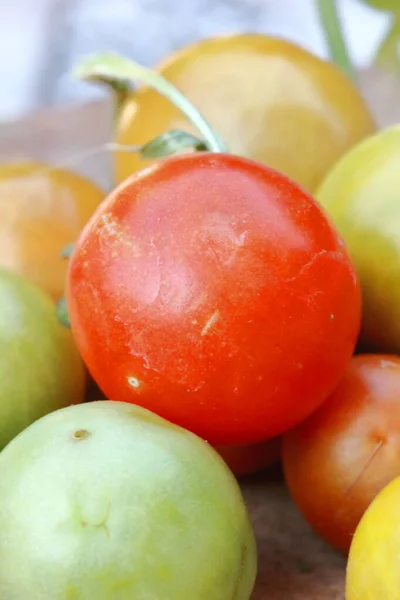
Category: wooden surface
[294,564]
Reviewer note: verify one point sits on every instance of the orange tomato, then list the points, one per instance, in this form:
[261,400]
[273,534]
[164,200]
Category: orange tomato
[41,211]
[268,99]
[341,457]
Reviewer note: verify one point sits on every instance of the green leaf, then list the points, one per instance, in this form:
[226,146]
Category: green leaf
[171,143]
[62,313]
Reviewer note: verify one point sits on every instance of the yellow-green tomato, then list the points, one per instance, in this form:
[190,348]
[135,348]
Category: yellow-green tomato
[106,500]
[373,569]
[40,367]
[269,99]
[362,195]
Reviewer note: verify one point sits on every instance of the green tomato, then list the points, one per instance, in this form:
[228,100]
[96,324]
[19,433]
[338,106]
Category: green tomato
[40,367]
[106,500]
[362,195]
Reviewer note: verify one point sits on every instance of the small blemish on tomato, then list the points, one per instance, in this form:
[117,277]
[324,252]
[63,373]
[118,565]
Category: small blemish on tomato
[331,316]
[387,363]
[133,382]
[210,323]
[80,434]
[241,239]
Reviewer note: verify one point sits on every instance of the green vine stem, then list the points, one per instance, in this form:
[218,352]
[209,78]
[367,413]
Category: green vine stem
[112,68]
[121,90]
[387,56]
[331,23]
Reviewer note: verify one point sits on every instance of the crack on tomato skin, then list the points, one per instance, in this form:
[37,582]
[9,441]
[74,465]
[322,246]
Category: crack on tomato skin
[143,357]
[379,445]
[310,263]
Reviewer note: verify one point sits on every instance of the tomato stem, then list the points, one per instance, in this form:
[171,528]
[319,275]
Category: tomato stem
[108,68]
[121,90]
[164,145]
[331,23]
[387,56]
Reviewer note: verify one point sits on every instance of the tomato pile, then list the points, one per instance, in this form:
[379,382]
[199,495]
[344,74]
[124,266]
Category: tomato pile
[235,305]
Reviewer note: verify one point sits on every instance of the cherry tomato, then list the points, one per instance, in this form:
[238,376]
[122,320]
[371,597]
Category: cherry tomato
[213,291]
[115,503]
[40,367]
[373,568]
[361,194]
[42,210]
[269,100]
[249,458]
[340,458]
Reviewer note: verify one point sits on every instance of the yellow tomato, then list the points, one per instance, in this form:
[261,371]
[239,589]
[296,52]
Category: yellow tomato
[362,194]
[373,570]
[268,99]
[41,211]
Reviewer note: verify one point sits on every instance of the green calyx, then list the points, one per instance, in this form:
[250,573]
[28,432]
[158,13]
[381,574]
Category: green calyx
[62,313]
[170,143]
[119,73]
[67,250]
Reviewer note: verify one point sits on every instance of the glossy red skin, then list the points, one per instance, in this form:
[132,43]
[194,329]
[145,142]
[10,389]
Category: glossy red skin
[213,291]
[339,459]
[247,459]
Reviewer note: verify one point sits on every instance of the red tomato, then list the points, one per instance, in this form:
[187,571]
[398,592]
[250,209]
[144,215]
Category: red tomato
[338,460]
[213,291]
[249,458]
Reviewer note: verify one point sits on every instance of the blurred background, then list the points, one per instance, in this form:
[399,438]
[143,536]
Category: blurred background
[41,40]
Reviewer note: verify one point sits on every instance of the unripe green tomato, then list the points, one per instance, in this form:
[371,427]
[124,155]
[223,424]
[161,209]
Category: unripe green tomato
[362,195]
[40,367]
[106,500]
